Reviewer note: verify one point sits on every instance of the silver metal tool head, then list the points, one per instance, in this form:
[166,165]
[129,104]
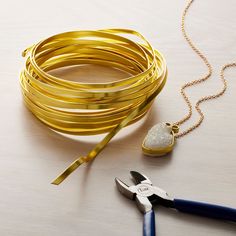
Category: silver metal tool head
[144,192]
[140,178]
[126,190]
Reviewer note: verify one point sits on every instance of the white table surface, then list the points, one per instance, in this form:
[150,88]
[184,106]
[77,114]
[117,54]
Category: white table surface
[202,167]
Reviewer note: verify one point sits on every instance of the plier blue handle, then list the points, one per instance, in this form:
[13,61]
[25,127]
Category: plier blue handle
[149,228]
[147,195]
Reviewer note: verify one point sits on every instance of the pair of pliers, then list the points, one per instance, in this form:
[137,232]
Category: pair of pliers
[146,195]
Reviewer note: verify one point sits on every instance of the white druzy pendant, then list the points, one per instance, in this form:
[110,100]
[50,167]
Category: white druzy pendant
[160,139]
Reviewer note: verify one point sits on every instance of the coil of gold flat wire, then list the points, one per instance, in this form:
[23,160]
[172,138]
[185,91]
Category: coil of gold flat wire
[92,108]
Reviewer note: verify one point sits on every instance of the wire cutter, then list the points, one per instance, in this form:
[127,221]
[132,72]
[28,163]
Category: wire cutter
[146,195]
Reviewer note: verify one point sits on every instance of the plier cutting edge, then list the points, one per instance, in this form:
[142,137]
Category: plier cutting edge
[146,195]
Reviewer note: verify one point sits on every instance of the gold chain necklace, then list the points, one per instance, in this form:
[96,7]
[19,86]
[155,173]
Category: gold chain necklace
[161,138]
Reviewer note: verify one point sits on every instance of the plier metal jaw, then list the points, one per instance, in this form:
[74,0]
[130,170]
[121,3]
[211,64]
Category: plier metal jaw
[144,193]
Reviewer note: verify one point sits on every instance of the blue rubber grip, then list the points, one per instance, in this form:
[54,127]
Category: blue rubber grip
[149,224]
[205,209]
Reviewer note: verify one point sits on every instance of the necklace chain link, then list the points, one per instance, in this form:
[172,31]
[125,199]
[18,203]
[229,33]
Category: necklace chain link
[198,81]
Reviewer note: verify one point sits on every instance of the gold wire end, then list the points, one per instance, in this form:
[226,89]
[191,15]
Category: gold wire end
[69,170]
[24,53]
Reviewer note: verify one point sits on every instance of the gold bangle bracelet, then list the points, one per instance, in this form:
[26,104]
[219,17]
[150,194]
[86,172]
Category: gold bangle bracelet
[91,108]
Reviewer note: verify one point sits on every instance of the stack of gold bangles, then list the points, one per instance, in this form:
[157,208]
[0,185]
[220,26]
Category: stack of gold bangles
[91,108]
